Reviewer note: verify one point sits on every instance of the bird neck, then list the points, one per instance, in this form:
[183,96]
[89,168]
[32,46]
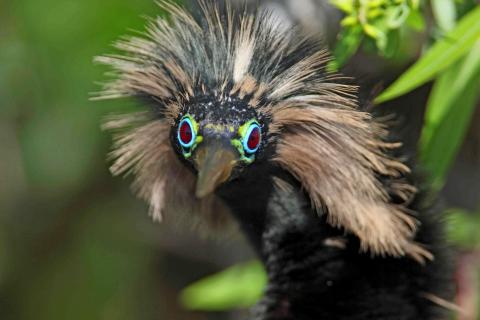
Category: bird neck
[248,198]
[287,235]
[271,206]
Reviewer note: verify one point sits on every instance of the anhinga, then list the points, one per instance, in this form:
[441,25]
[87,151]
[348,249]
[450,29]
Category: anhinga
[246,121]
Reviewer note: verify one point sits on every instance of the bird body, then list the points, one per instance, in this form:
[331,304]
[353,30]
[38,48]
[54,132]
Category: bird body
[245,121]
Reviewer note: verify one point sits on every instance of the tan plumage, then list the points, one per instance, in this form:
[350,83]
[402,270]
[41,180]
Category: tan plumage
[142,148]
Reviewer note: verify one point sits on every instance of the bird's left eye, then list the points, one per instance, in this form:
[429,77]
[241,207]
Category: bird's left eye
[251,139]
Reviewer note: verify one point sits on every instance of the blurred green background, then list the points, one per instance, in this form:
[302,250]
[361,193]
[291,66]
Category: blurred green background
[76,244]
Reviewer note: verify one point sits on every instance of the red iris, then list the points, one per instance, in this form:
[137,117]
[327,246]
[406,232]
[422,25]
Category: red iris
[254,138]
[185,132]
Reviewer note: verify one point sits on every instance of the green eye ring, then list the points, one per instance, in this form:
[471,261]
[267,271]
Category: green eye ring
[247,154]
[187,135]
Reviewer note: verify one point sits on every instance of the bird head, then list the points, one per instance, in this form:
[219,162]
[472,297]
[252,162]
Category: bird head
[231,90]
[218,137]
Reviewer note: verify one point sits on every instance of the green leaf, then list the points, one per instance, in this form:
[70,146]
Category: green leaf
[344,5]
[240,286]
[393,43]
[445,13]
[349,21]
[348,42]
[416,21]
[462,228]
[414,4]
[396,16]
[371,30]
[440,56]
[449,110]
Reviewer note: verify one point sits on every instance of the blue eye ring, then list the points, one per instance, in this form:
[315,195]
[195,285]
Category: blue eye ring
[186,123]
[252,126]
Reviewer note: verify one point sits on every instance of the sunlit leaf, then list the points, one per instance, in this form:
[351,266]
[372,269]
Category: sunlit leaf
[374,13]
[344,5]
[396,16]
[239,286]
[348,21]
[441,55]
[372,31]
[414,4]
[445,13]
[448,114]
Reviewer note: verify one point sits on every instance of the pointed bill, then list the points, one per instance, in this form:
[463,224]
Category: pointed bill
[214,163]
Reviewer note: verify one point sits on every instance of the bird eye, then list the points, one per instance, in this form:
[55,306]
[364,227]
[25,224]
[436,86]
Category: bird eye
[248,140]
[186,134]
[252,138]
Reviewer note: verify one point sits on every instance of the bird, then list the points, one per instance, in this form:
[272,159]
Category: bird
[244,121]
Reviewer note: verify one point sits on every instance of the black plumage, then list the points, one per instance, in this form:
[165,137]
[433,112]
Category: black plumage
[246,121]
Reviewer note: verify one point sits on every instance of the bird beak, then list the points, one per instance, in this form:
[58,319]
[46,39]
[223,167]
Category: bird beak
[214,162]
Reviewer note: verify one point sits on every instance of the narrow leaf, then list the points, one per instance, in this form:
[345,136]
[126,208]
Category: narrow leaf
[440,56]
[448,114]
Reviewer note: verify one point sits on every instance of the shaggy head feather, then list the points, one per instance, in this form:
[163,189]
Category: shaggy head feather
[310,120]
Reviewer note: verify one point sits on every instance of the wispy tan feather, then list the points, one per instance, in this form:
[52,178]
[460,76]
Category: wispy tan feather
[335,155]
[142,147]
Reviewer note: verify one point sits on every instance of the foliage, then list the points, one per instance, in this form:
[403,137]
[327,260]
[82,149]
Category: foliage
[378,21]
[440,56]
[215,292]
[449,110]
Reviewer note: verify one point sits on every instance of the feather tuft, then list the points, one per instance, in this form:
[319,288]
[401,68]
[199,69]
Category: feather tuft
[142,147]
